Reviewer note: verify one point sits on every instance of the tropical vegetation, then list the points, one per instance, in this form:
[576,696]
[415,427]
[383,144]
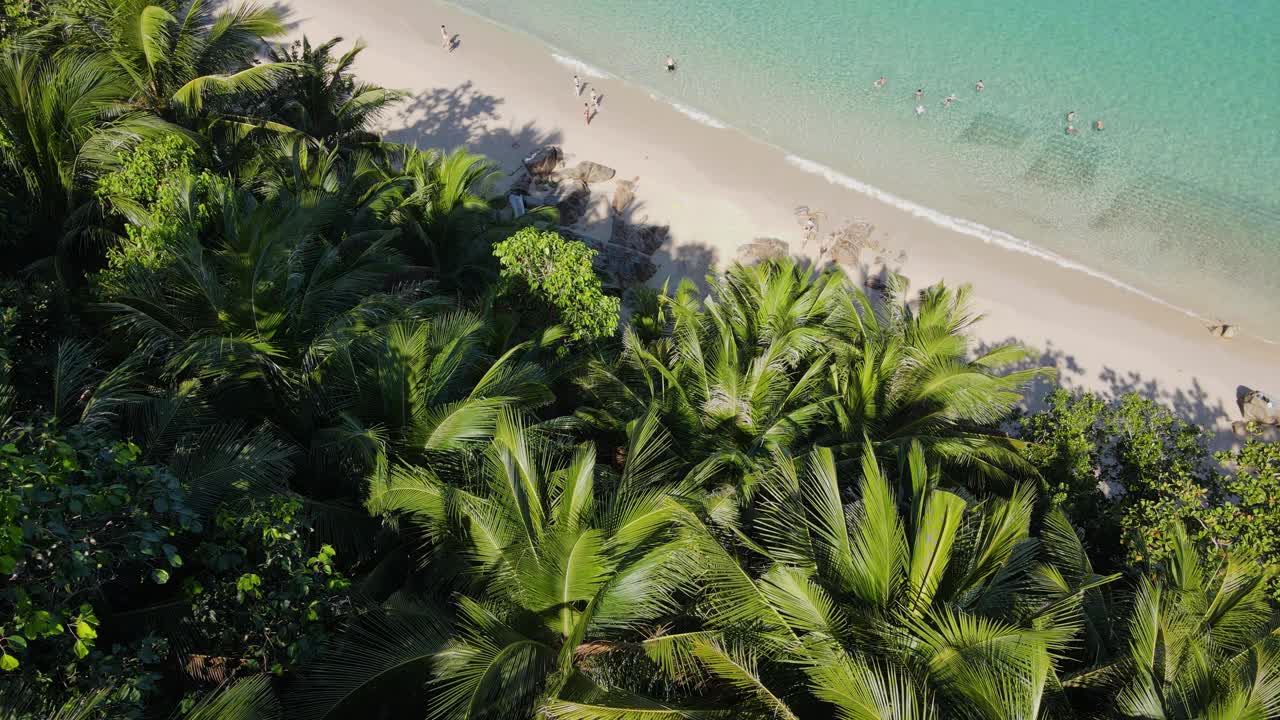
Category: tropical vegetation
[297,422]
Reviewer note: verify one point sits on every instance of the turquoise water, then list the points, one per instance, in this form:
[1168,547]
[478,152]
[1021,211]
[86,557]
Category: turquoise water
[1179,197]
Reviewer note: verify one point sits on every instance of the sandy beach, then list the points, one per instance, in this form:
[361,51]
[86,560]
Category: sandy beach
[503,94]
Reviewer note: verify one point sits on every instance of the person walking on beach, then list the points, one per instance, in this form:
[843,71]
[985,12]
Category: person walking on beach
[586,112]
[980,86]
[577,86]
[444,38]
[595,102]
[881,82]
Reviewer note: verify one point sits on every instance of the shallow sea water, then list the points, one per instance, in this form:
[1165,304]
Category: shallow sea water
[1179,197]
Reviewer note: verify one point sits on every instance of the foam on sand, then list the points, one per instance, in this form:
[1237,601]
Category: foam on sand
[580,67]
[970,228]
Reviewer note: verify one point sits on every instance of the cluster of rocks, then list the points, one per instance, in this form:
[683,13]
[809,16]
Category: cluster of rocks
[626,257]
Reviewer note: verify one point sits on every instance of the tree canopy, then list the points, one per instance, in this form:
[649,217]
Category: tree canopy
[297,422]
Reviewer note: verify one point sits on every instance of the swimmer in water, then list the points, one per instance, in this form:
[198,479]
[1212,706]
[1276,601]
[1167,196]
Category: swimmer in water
[671,64]
[1071,130]
[1071,117]
[881,82]
[919,110]
[949,99]
[1097,125]
[980,86]
[919,93]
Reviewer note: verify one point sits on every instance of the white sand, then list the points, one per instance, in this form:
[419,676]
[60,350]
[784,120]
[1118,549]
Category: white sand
[502,94]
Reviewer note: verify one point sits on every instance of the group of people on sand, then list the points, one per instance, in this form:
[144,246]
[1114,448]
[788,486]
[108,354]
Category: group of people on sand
[592,107]
[589,109]
[979,87]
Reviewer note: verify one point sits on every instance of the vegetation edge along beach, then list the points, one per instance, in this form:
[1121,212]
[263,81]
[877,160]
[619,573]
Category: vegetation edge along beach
[303,415]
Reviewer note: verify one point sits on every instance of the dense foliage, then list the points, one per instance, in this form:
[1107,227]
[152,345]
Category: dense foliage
[296,422]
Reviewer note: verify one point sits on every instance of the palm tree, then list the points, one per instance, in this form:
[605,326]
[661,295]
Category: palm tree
[173,55]
[1199,644]
[778,357]
[565,568]
[738,375]
[61,123]
[927,606]
[905,375]
[321,99]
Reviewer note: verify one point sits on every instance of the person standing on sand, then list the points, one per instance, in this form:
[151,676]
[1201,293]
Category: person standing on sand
[671,64]
[980,86]
[444,38]
[577,86]
[586,112]
[595,102]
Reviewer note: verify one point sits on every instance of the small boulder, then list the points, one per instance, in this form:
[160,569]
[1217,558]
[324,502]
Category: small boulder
[624,194]
[573,206]
[1224,331]
[544,160]
[1259,408]
[590,172]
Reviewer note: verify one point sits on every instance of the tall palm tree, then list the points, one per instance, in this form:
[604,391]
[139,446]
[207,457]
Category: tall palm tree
[777,356]
[321,99]
[61,122]
[738,375]
[923,605]
[1200,644]
[174,54]
[905,374]
[565,565]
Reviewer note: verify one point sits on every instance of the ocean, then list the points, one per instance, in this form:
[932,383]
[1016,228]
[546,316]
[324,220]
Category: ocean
[1178,198]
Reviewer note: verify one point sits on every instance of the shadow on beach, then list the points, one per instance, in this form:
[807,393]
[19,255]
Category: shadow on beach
[460,116]
[1191,403]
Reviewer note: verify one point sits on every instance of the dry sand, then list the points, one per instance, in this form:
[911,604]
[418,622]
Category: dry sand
[502,94]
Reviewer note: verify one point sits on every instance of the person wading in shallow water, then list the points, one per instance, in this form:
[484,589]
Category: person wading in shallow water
[980,86]
[671,64]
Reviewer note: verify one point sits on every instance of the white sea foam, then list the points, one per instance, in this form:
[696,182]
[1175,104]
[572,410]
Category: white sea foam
[970,228]
[581,67]
[699,116]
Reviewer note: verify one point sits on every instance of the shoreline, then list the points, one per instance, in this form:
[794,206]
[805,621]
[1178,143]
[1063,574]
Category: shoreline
[502,92]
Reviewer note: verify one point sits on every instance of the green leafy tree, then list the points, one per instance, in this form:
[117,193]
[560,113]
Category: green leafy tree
[161,192]
[83,524]
[268,596]
[61,123]
[541,269]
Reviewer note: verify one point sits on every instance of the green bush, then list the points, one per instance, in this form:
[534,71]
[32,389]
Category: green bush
[80,520]
[541,268]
